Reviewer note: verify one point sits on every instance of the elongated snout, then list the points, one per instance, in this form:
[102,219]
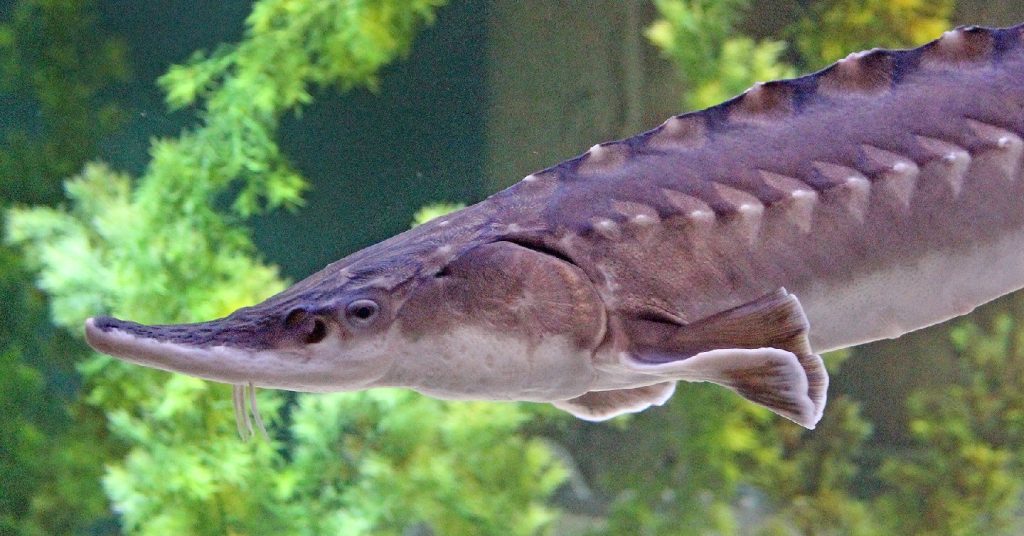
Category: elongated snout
[209,350]
[297,351]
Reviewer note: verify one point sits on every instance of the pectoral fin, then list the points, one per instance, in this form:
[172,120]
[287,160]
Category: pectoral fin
[773,378]
[602,405]
[760,350]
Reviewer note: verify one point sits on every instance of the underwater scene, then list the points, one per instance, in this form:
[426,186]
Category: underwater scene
[446,267]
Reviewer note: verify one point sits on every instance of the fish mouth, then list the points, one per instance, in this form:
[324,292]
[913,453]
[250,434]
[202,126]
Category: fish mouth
[173,349]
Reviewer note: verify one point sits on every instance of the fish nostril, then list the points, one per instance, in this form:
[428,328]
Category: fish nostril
[309,326]
[318,332]
[295,318]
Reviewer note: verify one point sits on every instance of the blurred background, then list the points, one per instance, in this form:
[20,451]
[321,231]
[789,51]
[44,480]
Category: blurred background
[175,160]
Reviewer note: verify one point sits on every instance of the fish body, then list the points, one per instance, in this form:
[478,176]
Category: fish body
[733,245]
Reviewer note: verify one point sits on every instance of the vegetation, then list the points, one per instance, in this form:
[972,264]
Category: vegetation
[170,245]
[717,62]
[963,474]
[52,445]
[160,249]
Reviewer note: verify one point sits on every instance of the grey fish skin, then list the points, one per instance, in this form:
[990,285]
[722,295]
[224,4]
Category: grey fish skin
[875,197]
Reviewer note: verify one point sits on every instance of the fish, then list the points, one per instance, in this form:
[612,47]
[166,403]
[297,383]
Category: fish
[731,245]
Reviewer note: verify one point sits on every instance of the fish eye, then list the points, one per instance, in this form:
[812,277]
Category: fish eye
[362,312]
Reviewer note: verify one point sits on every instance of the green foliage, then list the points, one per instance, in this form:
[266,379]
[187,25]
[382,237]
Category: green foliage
[158,249]
[966,472]
[290,46]
[715,464]
[55,64]
[833,29]
[408,460]
[699,37]
[48,451]
[716,62]
[435,210]
[691,32]
[52,56]
[681,475]
[811,484]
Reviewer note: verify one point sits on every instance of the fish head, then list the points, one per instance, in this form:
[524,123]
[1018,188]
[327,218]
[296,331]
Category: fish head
[314,339]
[379,317]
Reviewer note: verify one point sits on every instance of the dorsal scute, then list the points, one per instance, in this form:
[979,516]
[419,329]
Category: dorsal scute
[827,130]
[603,158]
[686,131]
[862,73]
[765,101]
[964,44]
[866,73]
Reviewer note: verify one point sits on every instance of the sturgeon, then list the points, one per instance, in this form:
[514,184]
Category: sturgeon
[731,245]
